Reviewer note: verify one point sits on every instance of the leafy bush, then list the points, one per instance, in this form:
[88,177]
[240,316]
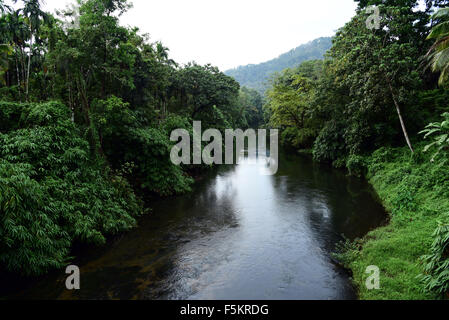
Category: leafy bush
[436,264]
[404,200]
[125,141]
[440,133]
[346,251]
[10,115]
[156,172]
[53,194]
[298,138]
[32,240]
[330,145]
[356,165]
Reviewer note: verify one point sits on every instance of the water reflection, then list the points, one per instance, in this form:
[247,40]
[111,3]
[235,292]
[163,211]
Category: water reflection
[239,235]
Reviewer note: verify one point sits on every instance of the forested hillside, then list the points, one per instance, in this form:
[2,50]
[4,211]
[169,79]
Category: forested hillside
[86,111]
[257,76]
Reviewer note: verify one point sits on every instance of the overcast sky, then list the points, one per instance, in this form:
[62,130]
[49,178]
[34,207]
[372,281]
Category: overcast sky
[229,33]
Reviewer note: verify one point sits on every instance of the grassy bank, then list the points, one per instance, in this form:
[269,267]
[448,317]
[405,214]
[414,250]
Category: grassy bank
[416,194]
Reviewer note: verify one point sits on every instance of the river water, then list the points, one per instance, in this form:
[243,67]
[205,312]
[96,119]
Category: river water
[238,235]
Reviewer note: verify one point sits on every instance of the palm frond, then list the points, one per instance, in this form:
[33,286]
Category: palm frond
[439,31]
[444,77]
[438,55]
[440,60]
[441,14]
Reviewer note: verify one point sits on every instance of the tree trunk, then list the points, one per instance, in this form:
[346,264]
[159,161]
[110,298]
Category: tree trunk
[22,67]
[29,64]
[398,109]
[18,79]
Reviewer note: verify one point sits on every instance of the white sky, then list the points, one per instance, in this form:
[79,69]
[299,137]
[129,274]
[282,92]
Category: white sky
[229,33]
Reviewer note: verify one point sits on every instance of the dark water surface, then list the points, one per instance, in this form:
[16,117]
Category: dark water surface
[238,235]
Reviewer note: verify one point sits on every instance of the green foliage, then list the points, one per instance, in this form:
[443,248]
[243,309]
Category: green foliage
[209,96]
[436,263]
[329,145]
[372,94]
[404,200]
[370,77]
[251,104]
[66,170]
[290,104]
[10,116]
[368,93]
[125,141]
[32,241]
[53,194]
[356,165]
[439,53]
[5,51]
[416,193]
[346,251]
[440,133]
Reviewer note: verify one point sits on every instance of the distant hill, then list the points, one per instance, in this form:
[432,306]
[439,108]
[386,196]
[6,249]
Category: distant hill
[255,76]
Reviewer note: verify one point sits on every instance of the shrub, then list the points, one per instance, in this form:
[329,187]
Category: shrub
[346,251]
[356,165]
[330,144]
[52,194]
[436,263]
[125,141]
[440,133]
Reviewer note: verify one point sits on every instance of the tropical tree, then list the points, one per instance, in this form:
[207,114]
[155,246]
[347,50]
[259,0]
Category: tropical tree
[5,52]
[14,32]
[251,104]
[439,53]
[5,49]
[208,95]
[290,106]
[439,131]
[34,19]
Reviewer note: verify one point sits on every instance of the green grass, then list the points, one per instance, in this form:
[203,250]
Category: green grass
[416,194]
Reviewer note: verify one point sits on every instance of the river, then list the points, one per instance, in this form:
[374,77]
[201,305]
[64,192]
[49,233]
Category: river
[238,235]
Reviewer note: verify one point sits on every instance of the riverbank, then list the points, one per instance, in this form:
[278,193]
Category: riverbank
[416,194]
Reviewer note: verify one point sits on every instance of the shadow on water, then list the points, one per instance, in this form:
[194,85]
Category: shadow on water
[239,235]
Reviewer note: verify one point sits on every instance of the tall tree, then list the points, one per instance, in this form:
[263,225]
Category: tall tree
[378,68]
[208,95]
[34,18]
[93,60]
[439,52]
[5,52]
[15,31]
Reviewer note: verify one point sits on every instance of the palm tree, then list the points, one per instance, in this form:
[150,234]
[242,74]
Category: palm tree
[15,31]
[5,51]
[32,11]
[439,52]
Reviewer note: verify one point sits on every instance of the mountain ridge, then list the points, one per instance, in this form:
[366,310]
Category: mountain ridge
[255,76]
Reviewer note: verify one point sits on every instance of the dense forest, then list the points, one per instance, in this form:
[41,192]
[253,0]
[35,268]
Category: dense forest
[378,106]
[86,111]
[257,76]
[87,107]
